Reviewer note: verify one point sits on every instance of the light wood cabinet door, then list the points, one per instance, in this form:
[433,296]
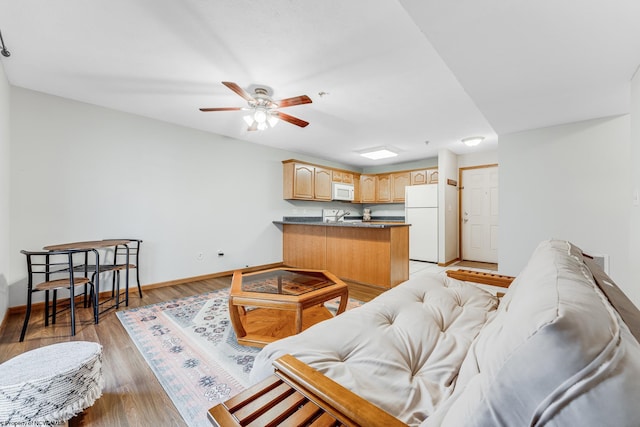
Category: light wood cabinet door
[303,182]
[399,181]
[432,176]
[368,188]
[418,177]
[383,193]
[340,176]
[306,182]
[322,184]
[357,198]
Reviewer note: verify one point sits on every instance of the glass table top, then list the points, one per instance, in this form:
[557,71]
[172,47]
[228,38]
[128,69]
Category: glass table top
[285,282]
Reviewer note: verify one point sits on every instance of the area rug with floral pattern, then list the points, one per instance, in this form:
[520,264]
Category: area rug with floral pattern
[191,347]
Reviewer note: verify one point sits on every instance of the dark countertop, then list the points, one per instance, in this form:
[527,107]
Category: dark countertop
[359,224]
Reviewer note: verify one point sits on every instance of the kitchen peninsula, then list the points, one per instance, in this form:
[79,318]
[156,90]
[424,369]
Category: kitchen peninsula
[365,252]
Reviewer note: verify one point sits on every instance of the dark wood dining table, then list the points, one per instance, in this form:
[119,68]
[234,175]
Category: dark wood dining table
[94,245]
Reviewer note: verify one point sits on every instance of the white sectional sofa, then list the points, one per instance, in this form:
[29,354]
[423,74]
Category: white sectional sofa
[557,350]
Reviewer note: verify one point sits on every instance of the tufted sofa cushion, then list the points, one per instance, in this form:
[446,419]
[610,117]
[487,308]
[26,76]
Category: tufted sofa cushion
[555,354]
[401,351]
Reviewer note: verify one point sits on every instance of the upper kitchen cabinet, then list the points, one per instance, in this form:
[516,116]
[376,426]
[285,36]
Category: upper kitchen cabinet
[322,184]
[368,184]
[418,177]
[427,176]
[306,182]
[383,193]
[398,183]
[341,176]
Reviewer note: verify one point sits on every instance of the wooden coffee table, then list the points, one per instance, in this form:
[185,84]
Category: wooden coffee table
[276,303]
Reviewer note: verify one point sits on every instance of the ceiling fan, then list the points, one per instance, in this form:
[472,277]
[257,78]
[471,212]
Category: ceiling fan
[264,111]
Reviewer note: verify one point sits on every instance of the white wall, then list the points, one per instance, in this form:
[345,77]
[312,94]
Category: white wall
[569,182]
[448,202]
[5,137]
[633,288]
[83,172]
[481,158]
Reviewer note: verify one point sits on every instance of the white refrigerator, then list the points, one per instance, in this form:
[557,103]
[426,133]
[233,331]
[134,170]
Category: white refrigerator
[421,211]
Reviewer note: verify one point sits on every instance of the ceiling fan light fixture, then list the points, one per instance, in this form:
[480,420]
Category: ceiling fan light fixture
[378,153]
[262,110]
[472,141]
[272,120]
[260,115]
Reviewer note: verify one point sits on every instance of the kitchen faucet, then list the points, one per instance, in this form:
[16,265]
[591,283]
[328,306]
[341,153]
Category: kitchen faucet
[342,215]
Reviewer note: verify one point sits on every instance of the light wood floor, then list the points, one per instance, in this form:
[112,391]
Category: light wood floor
[132,395]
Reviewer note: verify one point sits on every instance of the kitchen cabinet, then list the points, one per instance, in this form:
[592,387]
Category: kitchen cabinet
[341,176]
[427,176]
[357,198]
[398,183]
[322,184]
[368,184]
[383,190]
[306,182]
[418,177]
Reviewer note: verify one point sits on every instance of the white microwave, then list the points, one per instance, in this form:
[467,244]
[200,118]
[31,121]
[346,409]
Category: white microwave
[343,191]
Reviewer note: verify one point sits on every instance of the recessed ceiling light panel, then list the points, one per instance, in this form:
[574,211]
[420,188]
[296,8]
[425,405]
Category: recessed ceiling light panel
[378,153]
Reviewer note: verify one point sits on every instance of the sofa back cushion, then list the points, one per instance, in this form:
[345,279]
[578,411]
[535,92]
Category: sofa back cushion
[556,353]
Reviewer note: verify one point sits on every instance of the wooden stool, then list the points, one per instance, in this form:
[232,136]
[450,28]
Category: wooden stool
[51,384]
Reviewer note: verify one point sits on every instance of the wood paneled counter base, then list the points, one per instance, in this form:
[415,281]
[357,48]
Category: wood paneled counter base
[372,255]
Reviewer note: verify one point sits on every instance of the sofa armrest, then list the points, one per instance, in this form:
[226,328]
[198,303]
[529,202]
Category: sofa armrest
[299,395]
[481,277]
[341,403]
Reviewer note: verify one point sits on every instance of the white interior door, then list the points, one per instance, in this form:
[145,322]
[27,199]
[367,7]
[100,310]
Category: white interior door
[480,214]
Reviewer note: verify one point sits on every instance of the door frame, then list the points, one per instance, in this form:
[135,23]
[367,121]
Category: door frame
[460,207]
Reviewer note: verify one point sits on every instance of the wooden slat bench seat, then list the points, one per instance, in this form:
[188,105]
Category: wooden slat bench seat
[298,395]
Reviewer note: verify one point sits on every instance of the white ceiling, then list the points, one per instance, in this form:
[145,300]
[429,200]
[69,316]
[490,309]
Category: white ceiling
[396,74]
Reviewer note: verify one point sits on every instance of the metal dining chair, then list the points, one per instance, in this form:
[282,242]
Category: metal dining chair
[120,263]
[54,271]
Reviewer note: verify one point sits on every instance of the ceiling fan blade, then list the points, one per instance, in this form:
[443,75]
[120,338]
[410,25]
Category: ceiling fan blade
[293,120]
[296,100]
[222,109]
[237,89]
